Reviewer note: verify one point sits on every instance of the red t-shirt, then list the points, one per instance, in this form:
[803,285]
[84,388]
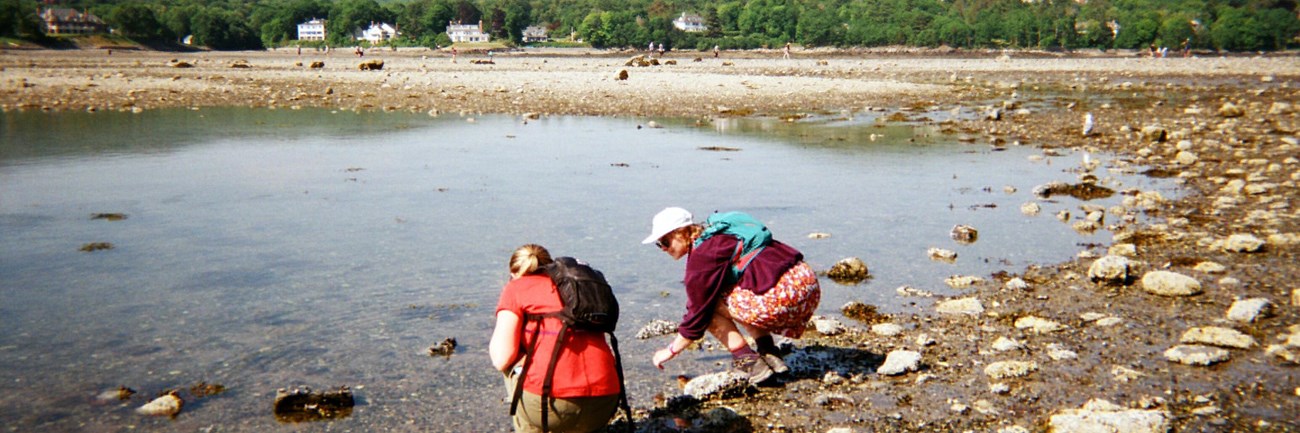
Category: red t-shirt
[586,364]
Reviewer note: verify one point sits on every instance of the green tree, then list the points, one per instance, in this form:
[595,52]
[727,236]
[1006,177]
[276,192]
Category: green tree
[221,29]
[138,20]
[18,19]
[424,20]
[347,16]
[1236,30]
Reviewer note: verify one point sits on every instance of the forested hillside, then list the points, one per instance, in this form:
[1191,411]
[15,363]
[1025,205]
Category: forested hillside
[1230,25]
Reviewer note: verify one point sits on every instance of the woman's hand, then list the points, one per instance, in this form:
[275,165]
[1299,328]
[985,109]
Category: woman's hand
[662,356]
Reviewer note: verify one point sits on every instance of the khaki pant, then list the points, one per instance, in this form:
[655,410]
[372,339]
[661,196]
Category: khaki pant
[581,414]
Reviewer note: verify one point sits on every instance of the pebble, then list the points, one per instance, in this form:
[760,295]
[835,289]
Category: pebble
[1167,283]
[1004,344]
[1112,269]
[962,281]
[1218,336]
[166,405]
[1210,267]
[942,255]
[1196,355]
[900,361]
[1030,208]
[1058,352]
[827,326]
[1016,284]
[912,291]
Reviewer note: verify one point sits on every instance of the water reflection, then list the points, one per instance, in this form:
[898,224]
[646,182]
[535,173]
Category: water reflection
[268,249]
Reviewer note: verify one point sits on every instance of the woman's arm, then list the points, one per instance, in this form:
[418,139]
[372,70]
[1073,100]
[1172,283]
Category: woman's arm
[504,346]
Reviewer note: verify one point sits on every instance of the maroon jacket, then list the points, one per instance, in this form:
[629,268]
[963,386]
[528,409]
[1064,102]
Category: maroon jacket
[706,275]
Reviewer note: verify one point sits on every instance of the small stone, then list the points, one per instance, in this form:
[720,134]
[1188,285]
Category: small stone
[1185,158]
[1209,267]
[1030,208]
[964,234]
[886,329]
[1230,110]
[899,362]
[1112,269]
[1123,250]
[1106,417]
[656,328]
[962,281]
[1038,324]
[1060,353]
[1218,336]
[1016,284]
[827,326]
[1196,355]
[1125,374]
[1109,321]
[968,306]
[1010,369]
[1004,344]
[833,378]
[912,291]
[720,385]
[1167,283]
[166,405]
[1248,310]
[1243,243]
[999,388]
[850,270]
[942,255]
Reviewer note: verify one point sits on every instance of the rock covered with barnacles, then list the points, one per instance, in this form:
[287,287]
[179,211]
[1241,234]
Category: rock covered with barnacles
[723,384]
[656,328]
[964,234]
[848,271]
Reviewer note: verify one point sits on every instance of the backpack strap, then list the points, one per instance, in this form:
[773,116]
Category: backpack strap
[528,359]
[550,374]
[622,388]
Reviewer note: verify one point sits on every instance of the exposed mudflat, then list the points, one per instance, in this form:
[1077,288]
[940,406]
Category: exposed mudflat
[1045,340]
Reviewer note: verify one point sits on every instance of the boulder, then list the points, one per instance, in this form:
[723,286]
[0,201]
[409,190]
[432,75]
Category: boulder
[168,404]
[1167,283]
[316,65]
[371,65]
[1248,310]
[622,75]
[305,405]
[656,328]
[964,234]
[848,271]
[1230,110]
[1243,243]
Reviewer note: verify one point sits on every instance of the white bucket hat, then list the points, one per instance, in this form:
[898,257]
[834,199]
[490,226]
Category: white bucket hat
[666,221]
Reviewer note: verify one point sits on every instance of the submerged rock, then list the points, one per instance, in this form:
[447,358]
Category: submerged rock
[168,404]
[1082,191]
[942,255]
[964,234]
[446,347]
[848,271]
[304,405]
[118,394]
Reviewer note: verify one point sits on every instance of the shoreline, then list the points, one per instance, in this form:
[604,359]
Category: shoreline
[1226,128]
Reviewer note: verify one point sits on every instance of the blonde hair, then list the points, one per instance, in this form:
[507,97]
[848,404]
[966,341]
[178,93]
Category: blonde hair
[527,259]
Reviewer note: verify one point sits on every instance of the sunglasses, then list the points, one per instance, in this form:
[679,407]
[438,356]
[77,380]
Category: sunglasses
[661,244]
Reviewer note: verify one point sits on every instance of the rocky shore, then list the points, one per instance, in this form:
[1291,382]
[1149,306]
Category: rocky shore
[1188,321]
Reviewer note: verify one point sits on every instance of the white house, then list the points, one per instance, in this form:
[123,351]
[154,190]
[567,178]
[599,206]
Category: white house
[467,32]
[535,34]
[690,23]
[71,22]
[313,30]
[377,33]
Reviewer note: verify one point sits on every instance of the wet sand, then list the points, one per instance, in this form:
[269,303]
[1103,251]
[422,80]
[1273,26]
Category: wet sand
[1224,127]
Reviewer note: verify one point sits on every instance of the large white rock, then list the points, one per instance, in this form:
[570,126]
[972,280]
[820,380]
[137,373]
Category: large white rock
[1038,324]
[1167,283]
[1218,336]
[899,362]
[1099,416]
[721,384]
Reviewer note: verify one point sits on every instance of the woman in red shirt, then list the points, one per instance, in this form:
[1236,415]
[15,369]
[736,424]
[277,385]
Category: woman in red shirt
[776,293]
[585,389]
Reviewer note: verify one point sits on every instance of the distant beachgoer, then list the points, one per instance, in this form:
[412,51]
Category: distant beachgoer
[661,49]
[1187,47]
[715,51]
[786,51]
[651,49]
[300,50]
[453,54]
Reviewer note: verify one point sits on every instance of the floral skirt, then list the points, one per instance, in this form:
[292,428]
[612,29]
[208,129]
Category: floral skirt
[784,309]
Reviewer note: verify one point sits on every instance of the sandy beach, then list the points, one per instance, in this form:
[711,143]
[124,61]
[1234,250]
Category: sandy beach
[1050,348]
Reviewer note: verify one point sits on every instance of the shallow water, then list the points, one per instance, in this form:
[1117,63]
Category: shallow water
[265,249]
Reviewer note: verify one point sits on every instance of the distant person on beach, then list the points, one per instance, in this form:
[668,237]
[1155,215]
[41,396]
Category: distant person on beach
[661,49]
[651,48]
[586,384]
[453,54]
[715,51]
[786,52]
[737,276]
[1187,47]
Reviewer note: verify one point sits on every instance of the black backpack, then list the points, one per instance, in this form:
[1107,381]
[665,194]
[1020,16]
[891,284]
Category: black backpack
[589,306]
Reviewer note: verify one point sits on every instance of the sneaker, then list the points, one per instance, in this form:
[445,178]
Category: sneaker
[753,366]
[775,363]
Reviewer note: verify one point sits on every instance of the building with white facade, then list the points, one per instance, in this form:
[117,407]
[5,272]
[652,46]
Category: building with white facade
[71,22]
[535,34]
[377,33]
[467,32]
[313,30]
[690,23]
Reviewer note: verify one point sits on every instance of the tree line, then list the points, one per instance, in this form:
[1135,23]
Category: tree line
[1228,25]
